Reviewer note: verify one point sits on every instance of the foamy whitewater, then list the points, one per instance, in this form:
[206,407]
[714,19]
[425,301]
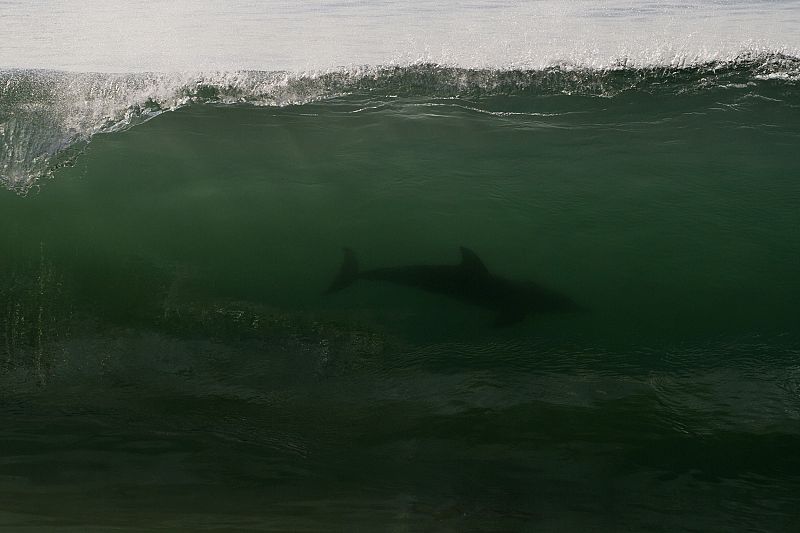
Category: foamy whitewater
[399,266]
[53,97]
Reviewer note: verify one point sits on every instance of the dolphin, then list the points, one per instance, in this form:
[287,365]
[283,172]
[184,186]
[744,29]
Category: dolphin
[469,281]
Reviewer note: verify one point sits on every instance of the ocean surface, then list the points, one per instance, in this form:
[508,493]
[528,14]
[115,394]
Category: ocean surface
[178,181]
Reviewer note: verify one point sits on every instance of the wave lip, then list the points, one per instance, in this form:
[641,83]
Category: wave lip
[47,117]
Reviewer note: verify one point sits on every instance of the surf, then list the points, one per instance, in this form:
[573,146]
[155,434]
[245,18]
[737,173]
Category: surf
[47,118]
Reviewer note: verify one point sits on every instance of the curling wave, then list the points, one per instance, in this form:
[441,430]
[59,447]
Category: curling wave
[47,117]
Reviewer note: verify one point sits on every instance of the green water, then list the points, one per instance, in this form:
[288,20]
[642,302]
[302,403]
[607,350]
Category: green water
[170,359]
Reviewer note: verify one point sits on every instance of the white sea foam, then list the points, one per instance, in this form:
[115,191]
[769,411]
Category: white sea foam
[46,117]
[281,52]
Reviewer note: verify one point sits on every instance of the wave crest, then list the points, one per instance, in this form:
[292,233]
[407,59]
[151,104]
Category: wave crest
[47,117]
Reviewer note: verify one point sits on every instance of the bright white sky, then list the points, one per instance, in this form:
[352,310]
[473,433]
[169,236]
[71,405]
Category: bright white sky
[151,35]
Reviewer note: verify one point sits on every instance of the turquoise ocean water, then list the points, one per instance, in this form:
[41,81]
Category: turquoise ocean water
[169,359]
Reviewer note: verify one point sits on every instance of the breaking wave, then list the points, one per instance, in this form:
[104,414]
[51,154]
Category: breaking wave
[48,117]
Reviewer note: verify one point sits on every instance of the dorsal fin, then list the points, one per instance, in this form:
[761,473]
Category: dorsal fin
[348,273]
[473,263]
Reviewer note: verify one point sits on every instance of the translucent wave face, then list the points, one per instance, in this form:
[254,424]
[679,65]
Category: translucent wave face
[46,116]
[118,36]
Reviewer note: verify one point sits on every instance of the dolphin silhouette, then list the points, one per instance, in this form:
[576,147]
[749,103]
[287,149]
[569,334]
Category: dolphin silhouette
[469,281]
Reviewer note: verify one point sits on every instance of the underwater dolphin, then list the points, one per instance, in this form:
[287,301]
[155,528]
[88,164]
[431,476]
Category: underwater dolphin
[469,281]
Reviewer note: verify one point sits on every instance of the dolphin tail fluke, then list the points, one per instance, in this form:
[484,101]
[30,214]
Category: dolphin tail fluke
[347,274]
